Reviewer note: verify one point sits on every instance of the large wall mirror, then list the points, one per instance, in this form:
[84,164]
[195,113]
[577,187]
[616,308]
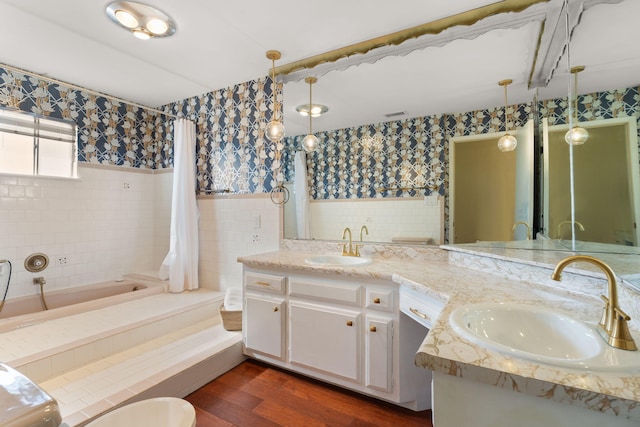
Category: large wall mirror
[451,85]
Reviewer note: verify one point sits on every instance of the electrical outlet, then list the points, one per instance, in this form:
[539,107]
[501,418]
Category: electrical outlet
[62,260]
[255,238]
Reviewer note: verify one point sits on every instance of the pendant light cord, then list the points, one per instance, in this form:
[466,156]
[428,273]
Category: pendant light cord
[506,119]
[310,106]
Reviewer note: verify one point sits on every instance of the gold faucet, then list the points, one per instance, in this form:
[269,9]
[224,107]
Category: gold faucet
[614,321]
[526,225]
[366,230]
[580,227]
[344,246]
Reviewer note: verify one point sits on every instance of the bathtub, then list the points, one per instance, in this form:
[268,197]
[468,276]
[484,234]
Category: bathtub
[26,311]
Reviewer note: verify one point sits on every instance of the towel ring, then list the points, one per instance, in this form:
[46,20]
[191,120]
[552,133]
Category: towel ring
[280,189]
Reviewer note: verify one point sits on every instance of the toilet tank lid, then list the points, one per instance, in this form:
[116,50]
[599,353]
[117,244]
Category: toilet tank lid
[23,403]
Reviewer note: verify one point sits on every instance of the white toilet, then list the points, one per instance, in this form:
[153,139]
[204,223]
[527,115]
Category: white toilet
[156,412]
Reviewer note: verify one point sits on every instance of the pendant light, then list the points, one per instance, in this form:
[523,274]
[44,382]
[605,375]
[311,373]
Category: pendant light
[507,142]
[275,128]
[310,142]
[576,135]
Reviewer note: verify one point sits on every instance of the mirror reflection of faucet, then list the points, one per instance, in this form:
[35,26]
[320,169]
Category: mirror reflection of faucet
[580,227]
[366,230]
[528,227]
[613,325]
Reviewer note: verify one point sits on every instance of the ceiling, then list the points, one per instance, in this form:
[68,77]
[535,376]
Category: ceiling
[219,44]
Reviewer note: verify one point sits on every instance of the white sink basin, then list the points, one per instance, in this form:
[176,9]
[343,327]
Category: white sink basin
[532,332]
[337,260]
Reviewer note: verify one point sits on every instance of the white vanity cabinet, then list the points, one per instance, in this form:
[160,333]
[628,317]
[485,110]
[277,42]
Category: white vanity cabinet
[343,330]
[264,330]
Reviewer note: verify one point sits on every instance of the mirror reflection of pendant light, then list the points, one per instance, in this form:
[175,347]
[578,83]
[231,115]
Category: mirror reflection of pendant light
[310,142]
[576,135]
[275,128]
[507,142]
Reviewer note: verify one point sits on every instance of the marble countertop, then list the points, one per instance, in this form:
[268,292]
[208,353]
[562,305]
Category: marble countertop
[443,350]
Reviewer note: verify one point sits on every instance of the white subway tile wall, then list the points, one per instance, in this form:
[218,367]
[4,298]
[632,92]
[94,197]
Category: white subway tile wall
[233,227]
[385,219]
[113,222]
[93,229]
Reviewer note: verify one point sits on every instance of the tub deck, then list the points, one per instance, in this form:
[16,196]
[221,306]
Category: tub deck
[92,362]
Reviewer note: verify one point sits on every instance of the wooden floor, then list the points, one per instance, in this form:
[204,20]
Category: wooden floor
[254,394]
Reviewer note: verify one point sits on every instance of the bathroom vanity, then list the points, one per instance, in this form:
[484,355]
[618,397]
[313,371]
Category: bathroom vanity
[346,330]
[325,322]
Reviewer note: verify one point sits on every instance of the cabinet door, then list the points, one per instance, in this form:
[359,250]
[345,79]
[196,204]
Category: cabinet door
[264,325]
[326,339]
[379,353]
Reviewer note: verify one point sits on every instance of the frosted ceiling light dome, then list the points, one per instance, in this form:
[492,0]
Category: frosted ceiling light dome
[157,26]
[316,109]
[142,20]
[126,19]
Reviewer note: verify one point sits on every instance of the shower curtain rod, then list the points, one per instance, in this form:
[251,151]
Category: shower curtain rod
[84,89]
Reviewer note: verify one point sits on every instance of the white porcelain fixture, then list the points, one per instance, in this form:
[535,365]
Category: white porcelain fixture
[23,403]
[157,412]
[540,334]
[337,260]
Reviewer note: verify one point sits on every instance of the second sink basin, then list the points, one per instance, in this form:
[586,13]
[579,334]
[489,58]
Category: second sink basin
[337,260]
[528,331]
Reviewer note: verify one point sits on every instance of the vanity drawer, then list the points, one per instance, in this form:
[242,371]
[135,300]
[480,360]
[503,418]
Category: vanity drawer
[330,291]
[422,308]
[265,282]
[380,299]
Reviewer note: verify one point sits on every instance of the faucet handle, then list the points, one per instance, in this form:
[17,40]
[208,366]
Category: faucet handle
[358,249]
[604,320]
[621,314]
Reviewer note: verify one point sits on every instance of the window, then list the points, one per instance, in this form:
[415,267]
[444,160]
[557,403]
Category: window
[35,145]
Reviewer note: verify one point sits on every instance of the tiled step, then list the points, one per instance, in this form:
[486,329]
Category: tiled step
[174,364]
[57,346]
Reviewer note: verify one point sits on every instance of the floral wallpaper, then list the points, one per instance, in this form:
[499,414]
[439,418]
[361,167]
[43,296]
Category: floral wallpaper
[233,154]
[405,155]
[232,151]
[109,132]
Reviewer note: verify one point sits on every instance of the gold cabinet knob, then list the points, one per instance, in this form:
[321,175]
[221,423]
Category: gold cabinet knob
[372,329]
[265,284]
[376,300]
[275,309]
[349,323]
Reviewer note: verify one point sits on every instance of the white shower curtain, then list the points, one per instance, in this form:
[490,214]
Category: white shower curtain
[180,265]
[301,192]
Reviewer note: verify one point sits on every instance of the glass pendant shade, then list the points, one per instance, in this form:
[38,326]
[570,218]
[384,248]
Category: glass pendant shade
[275,128]
[310,143]
[576,136]
[275,131]
[507,142]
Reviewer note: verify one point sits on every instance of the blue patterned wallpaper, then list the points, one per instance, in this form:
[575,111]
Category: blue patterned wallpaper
[232,151]
[109,132]
[358,162]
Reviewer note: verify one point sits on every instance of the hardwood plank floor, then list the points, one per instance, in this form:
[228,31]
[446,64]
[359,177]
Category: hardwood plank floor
[255,394]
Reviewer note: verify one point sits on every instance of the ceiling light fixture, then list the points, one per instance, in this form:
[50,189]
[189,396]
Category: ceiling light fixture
[310,142]
[576,135]
[142,20]
[275,128]
[507,142]
[316,110]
